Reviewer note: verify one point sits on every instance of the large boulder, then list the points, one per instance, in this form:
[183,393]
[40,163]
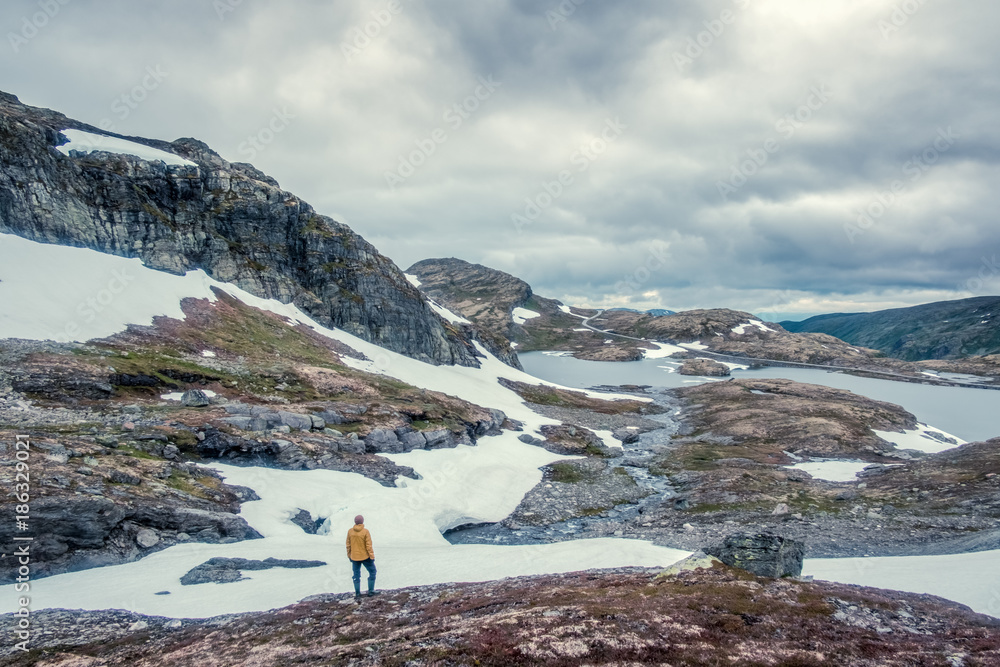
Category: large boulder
[383,441]
[763,554]
[704,368]
[297,421]
[226,570]
[195,398]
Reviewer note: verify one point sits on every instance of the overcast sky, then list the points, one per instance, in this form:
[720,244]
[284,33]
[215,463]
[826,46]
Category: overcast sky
[786,157]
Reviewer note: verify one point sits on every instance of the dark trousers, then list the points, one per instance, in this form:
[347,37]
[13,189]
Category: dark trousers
[370,566]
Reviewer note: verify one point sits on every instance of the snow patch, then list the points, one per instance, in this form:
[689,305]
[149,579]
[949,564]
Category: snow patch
[208,354]
[972,579]
[741,328]
[832,470]
[447,314]
[922,439]
[176,395]
[413,279]
[522,315]
[694,346]
[88,142]
[662,350]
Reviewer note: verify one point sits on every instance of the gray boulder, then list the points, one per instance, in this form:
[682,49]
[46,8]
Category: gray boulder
[383,440]
[195,398]
[351,444]
[411,438]
[332,417]
[227,570]
[439,438]
[626,436]
[147,538]
[293,420]
[305,521]
[763,554]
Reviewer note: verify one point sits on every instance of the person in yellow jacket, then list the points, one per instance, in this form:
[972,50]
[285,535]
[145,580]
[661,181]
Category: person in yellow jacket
[361,552]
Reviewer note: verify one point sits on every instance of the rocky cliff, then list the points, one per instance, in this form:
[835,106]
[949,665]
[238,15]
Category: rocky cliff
[227,218]
[480,294]
[488,298]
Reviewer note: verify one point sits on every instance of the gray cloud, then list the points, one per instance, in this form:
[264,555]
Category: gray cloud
[836,101]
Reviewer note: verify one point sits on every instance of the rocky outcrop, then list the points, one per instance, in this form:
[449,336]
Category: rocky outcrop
[480,294]
[704,368]
[763,554]
[227,218]
[228,570]
[587,487]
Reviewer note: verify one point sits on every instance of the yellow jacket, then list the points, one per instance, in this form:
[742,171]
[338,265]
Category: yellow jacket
[359,543]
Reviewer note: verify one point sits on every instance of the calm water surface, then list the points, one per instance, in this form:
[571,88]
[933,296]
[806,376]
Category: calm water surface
[970,414]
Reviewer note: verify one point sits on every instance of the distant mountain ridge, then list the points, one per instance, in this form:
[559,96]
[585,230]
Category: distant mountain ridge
[940,330]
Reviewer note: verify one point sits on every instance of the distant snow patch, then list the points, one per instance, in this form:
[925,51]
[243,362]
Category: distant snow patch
[208,354]
[832,471]
[88,142]
[694,346]
[522,315]
[176,395]
[663,350]
[924,438]
[447,314]
[413,279]
[741,328]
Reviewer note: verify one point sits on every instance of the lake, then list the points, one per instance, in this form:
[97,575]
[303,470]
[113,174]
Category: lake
[970,414]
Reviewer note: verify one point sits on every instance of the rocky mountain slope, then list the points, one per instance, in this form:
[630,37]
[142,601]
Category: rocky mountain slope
[484,296]
[717,616]
[942,330]
[227,218]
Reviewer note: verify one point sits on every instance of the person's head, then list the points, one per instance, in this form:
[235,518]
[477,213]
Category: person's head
[359,519]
